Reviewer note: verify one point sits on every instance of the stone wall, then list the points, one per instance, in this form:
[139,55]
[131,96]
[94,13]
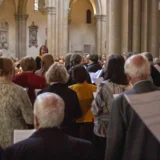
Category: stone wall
[7,11]
[40,20]
[81,33]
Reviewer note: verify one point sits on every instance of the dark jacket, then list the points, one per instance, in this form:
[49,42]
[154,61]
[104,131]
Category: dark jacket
[128,137]
[50,144]
[155,76]
[1,151]
[94,67]
[38,63]
[72,106]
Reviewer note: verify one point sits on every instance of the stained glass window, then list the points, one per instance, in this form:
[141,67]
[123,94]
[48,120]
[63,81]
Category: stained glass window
[36,5]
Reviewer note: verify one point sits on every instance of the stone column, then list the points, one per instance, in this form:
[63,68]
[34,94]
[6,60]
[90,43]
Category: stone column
[21,35]
[100,40]
[114,30]
[145,26]
[51,36]
[51,29]
[153,28]
[136,34]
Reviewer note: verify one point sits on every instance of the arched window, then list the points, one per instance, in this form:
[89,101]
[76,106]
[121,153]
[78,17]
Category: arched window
[36,5]
[88,16]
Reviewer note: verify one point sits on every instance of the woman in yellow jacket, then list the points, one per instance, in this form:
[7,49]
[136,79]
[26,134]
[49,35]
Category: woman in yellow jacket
[84,90]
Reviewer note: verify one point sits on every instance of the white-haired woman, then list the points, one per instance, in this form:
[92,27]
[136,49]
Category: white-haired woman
[57,77]
[15,106]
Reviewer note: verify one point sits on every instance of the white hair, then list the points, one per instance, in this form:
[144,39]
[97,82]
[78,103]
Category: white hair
[137,66]
[49,110]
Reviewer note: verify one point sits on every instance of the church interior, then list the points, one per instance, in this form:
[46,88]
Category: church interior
[79,79]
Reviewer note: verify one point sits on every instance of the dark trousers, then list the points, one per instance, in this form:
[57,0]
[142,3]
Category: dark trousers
[84,130]
[100,145]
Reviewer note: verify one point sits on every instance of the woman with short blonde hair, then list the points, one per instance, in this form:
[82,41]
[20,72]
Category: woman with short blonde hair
[56,78]
[57,73]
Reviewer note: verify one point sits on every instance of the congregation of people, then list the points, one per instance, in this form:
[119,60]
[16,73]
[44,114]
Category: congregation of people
[75,118]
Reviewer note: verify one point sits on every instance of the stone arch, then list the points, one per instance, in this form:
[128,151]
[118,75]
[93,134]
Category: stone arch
[96,4]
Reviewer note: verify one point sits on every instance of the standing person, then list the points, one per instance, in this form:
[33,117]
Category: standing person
[84,92]
[49,142]
[56,78]
[15,106]
[128,137]
[28,79]
[94,64]
[115,83]
[46,62]
[43,50]
[155,75]
[76,59]
[67,61]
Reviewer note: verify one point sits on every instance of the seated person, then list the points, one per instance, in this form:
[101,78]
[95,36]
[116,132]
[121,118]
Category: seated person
[48,142]
[28,79]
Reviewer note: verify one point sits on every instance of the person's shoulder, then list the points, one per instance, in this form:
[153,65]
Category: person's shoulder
[39,77]
[70,90]
[83,148]
[93,87]
[20,148]
[17,87]
[73,86]
[80,144]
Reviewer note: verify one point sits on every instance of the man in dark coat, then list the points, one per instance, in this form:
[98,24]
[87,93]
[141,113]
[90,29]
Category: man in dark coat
[93,65]
[48,142]
[128,137]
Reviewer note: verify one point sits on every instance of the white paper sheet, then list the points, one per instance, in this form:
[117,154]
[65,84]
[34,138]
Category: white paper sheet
[95,75]
[20,135]
[147,106]
[97,81]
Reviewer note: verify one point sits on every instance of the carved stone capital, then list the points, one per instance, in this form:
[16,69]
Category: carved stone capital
[51,10]
[20,17]
[101,17]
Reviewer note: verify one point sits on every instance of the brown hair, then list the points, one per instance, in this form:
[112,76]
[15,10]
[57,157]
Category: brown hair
[46,62]
[6,66]
[28,64]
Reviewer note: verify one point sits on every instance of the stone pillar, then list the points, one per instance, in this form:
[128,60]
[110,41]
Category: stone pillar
[145,26]
[51,36]
[21,35]
[100,40]
[153,28]
[114,30]
[136,34]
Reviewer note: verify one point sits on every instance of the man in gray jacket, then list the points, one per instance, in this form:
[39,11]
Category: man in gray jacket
[128,138]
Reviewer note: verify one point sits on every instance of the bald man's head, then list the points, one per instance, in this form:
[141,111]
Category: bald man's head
[48,110]
[137,67]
